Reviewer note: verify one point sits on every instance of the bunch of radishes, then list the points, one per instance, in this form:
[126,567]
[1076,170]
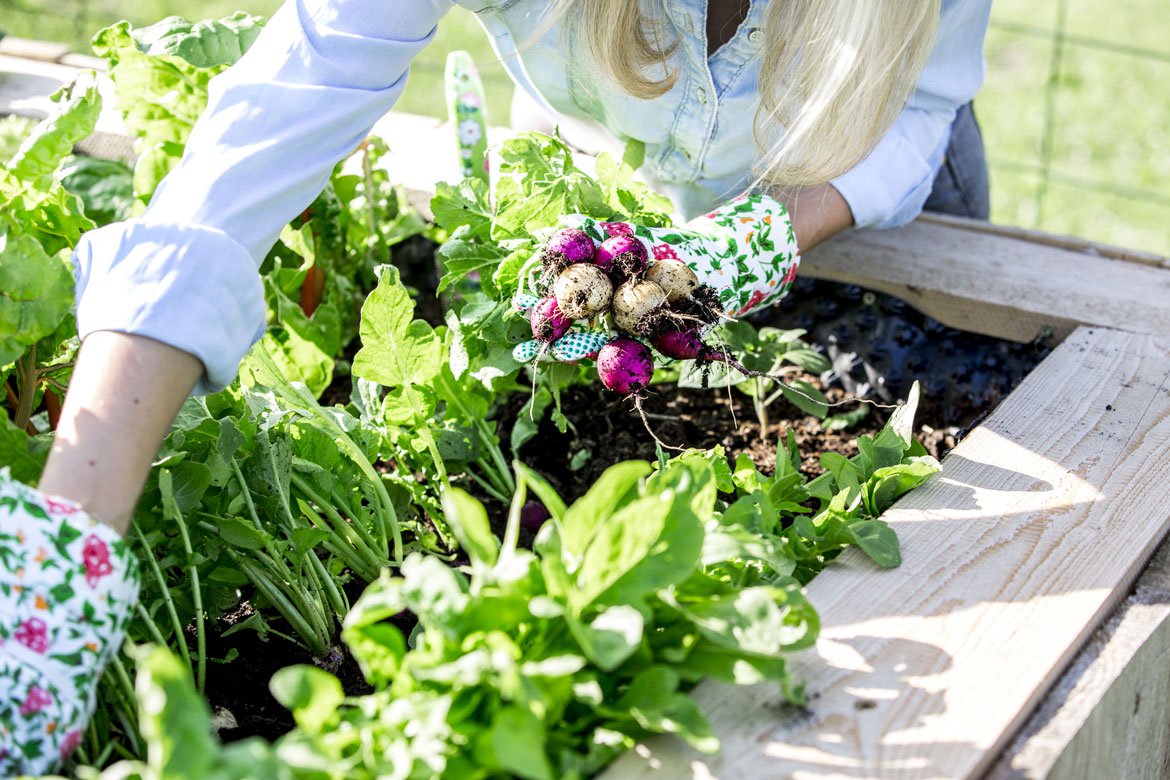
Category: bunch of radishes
[661,302]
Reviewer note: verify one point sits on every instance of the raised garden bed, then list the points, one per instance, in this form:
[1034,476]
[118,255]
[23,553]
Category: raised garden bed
[1045,516]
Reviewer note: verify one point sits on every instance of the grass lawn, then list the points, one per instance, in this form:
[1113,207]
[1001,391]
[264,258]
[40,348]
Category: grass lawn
[1101,127]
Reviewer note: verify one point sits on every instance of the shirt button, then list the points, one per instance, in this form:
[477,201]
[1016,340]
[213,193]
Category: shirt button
[756,36]
[701,95]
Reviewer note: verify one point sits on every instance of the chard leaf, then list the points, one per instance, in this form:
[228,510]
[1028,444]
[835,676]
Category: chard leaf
[646,545]
[173,718]
[36,291]
[203,44]
[611,637]
[463,206]
[25,455]
[586,515]
[51,141]
[763,620]
[517,742]
[656,705]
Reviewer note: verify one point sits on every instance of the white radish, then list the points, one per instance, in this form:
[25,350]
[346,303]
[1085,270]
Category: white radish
[675,278]
[636,305]
[583,291]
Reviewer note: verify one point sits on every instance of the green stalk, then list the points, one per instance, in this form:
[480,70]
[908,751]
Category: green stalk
[339,527]
[512,529]
[489,439]
[388,516]
[197,597]
[318,601]
[151,627]
[28,388]
[355,514]
[333,594]
[314,641]
[176,626]
[490,489]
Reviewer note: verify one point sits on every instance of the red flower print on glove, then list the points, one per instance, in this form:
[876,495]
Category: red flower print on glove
[617,229]
[33,634]
[96,556]
[60,508]
[70,743]
[37,700]
[791,275]
[663,252]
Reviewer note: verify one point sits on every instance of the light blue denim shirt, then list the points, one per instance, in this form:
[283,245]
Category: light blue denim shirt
[323,71]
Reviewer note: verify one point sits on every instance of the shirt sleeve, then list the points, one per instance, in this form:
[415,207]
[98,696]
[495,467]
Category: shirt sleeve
[890,186]
[301,99]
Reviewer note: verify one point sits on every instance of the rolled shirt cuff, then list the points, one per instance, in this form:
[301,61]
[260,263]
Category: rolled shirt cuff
[189,286]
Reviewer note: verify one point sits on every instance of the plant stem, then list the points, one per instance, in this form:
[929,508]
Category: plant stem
[301,626]
[28,388]
[363,544]
[165,592]
[512,529]
[196,596]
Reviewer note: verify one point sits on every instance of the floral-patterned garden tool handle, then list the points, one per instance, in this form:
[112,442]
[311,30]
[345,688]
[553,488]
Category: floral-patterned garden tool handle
[466,107]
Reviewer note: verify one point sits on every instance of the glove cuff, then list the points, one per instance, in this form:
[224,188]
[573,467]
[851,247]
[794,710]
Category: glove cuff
[68,585]
[751,256]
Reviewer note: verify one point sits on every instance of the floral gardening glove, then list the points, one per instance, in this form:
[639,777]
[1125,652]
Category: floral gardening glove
[746,251]
[68,584]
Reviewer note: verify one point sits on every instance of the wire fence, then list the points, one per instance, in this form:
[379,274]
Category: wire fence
[1113,194]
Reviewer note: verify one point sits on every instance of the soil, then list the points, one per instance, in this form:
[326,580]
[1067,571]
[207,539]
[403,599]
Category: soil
[611,432]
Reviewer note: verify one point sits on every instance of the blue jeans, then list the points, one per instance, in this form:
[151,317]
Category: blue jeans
[961,186]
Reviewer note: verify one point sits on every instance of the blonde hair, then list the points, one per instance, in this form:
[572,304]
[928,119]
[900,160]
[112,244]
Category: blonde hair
[835,73]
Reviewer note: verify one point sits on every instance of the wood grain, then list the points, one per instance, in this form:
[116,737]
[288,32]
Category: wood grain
[1000,285]
[1041,521]
[1107,716]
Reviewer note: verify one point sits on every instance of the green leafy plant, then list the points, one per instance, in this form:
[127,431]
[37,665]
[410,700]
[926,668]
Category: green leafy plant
[40,222]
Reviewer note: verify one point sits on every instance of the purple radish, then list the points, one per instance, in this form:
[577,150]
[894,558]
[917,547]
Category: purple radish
[533,515]
[625,366]
[623,257]
[566,247]
[687,345]
[548,323]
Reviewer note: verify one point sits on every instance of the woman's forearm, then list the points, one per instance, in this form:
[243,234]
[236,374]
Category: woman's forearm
[817,213]
[123,397]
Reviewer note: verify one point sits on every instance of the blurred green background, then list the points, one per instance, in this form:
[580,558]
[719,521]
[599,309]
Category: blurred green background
[1075,108]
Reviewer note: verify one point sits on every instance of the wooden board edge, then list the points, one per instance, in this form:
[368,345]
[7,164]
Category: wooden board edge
[1107,715]
[1059,241]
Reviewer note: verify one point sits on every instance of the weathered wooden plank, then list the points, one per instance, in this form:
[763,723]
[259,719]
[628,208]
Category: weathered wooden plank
[1041,521]
[998,285]
[1109,715]
[25,48]
[1071,243]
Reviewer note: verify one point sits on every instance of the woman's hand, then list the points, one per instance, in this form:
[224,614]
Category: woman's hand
[746,251]
[68,585]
